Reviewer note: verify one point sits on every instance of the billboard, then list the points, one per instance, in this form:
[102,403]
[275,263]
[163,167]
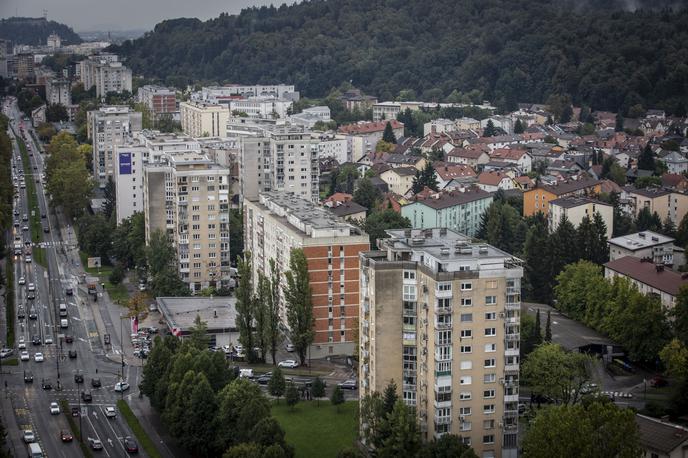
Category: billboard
[94,262]
[125,164]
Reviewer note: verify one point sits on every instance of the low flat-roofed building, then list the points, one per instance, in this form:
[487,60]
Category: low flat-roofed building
[647,244]
[218,313]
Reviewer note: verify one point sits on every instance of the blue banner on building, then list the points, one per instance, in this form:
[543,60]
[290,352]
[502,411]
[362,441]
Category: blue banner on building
[125,164]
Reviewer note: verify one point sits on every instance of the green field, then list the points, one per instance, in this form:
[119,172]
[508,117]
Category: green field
[118,293]
[318,431]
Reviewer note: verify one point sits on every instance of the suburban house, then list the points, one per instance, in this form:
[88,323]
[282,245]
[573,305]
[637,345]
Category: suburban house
[349,210]
[676,162]
[524,182]
[399,180]
[469,156]
[518,157]
[537,199]
[455,210]
[494,181]
[446,173]
[364,135]
[405,160]
[647,245]
[675,181]
[576,208]
[661,439]
[650,278]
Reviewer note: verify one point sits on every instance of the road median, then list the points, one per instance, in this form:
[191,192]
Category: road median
[141,435]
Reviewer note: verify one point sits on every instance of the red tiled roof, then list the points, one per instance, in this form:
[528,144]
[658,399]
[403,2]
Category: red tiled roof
[492,178]
[367,127]
[468,153]
[508,154]
[648,273]
[339,197]
[448,172]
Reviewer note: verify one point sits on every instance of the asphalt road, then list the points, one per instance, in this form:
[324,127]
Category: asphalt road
[30,403]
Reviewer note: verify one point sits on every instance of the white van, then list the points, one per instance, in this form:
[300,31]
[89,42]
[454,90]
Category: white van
[35,450]
[64,323]
[63,309]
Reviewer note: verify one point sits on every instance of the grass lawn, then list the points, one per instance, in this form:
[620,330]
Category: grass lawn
[318,431]
[118,293]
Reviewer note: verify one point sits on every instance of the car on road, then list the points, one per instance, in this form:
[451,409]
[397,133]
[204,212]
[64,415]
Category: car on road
[32,314]
[110,412]
[86,396]
[31,287]
[29,436]
[28,377]
[36,340]
[289,363]
[78,378]
[64,323]
[46,384]
[25,217]
[48,340]
[21,313]
[75,412]
[95,383]
[130,445]
[46,229]
[69,339]
[348,384]
[66,436]
[121,386]
[72,354]
[43,215]
[54,408]
[38,357]
[31,295]
[25,228]
[264,379]
[22,280]
[28,259]
[290,348]
[95,444]
[5,352]
[69,291]
[22,343]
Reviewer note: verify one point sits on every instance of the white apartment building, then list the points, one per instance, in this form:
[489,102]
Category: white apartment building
[128,178]
[278,158]
[390,110]
[58,91]
[336,147]
[261,107]
[187,196]
[160,143]
[441,315]
[54,42]
[200,119]
[107,127]
[219,94]
[106,73]
[87,67]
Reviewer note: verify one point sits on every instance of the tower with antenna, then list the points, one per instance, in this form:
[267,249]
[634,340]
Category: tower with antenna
[45,14]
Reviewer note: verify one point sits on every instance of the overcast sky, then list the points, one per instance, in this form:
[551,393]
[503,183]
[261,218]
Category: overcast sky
[90,15]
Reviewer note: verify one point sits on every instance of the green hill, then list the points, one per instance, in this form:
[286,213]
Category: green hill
[509,50]
[35,31]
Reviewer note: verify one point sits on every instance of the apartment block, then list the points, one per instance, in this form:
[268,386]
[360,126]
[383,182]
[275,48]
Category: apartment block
[259,107]
[107,127]
[87,67]
[275,224]
[278,158]
[58,91]
[186,195]
[440,316]
[106,73]
[201,119]
[159,100]
[129,160]
[220,94]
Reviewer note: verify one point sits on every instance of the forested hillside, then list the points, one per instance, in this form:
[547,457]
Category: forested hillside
[35,31]
[510,50]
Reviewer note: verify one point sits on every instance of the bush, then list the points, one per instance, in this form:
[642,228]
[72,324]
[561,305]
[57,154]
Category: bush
[117,275]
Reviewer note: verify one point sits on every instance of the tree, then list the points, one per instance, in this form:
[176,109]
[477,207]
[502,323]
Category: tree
[157,363]
[538,326]
[337,397]
[384,147]
[404,434]
[200,424]
[373,415]
[343,180]
[648,221]
[680,315]
[161,258]
[299,306]
[646,160]
[318,389]
[490,130]
[245,304]
[518,127]
[538,271]
[682,232]
[244,450]
[562,251]
[552,371]
[378,222]
[596,429]
[56,112]
[647,182]
[242,406]
[117,275]
[390,396]
[548,327]
[291,396]
[236,228]
[110,204]
[388,134]
[366,194]
[530,336]
[668,227]
[619,123]
[277,384]
[45,131]
[268,432]
[674,356]
[272,330]
[447,446]
[261,307]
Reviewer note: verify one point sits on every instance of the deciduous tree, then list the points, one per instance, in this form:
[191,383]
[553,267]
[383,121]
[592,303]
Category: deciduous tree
[245,304]
[551,371]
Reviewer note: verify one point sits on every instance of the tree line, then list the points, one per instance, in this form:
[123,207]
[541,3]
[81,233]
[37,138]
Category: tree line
[506,52]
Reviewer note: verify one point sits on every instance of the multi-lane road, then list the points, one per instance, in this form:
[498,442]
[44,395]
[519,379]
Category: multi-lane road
[30,403]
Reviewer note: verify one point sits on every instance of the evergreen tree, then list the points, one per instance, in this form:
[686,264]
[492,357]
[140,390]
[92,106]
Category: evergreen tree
[404,438]
[562,251]
[388,134]
[318,389]
[619,124]
[277,384]
[110,203]
[200,425]
[600,247]
[538,327]
[518,127]
[390,396]
[646,161]
[490,130]
[199,334]
[272,329]
[538,271]
[548,327]
[291,396]
[299,306]
[647,221]
[337,397]
[669,228]
[245,304]
[682,232]
[366,194]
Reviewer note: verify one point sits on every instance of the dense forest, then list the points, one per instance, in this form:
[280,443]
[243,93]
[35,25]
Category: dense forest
[509,50]
[35,31]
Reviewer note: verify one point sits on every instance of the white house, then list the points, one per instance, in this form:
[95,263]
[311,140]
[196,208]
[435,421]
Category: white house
[494,181]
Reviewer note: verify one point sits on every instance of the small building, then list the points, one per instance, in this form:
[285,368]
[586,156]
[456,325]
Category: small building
[218,313]
[349,211]
[646,245]
[650,278]
[661,439]
[400,179]
[537,199]
[577,208]
[494,181]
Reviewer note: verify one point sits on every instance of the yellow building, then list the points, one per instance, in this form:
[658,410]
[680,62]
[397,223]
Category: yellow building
[203,119]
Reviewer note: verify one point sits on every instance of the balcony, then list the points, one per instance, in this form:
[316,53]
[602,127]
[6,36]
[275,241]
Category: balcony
[512,305]
[512,352]
[511,290]
[511,320]
[443,373]
[511,397]
[443,310]
[511,368]
[443,325]
[443,420]
[512,337]
[441,294]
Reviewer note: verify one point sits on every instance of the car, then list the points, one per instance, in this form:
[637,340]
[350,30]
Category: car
[25,217]
[22,280]
[66,436]
[38,357]
[130,445]
[48,340]
[121,386]
[22,343]
[21,313]
[289,363]
[110,412]
[142,286]
[68,338]
[31,295]
[290,348]
[86,396]
[95,444]
[78,378]
[28,377]
[54,408]
[5,352]
[348,384]
[25,228]
[33,315]
[24,356]
[72,354]
[46,384]
[43,215]
[36,340]
[64,323]
[264,379]
[31,287]
[69,291]
[28,259]
[75,412]
[46,229]
[29,436]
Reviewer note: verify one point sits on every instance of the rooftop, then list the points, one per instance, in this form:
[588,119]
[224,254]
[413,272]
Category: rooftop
[570,186]
[640,240]
[572,202]
[647,192]
[219,313]
[648,273]
[347,209]
[366,127]
[452,198]
[660,436]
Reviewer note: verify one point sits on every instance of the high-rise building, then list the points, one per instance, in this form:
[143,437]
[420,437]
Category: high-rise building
[278,222]
[24,66]
[106,73]
[159,100]
[187,196]
[58,91]
[278,158]
[129,160]
[440,316]
[107,127]
[54,42]
[201,119]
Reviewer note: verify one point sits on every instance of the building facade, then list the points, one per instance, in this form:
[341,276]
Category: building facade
[107,127]
[129,159]
[577,208]
[659,248]
[159,100]
[58,91]
[277,223]
[187,196]
[203,119]
[442,314]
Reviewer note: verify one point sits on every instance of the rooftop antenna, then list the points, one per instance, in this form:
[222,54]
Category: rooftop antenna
[45,14]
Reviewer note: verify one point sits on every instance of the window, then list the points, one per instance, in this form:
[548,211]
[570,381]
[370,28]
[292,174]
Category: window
[490,300]
[489,408]
[490,332]
[490,362]
[466,365]
[444,286]
[488,439]
[489,394]
[491,284]
[466,286]
[466,317]
[409,292]
[491,316]
[490,348]
[465,396]
[464,410]
[465,380]
[466,333]
[489,378]
[466,302]
[409,275]
[465,426]
[444,303]
[466,349]
[488,424]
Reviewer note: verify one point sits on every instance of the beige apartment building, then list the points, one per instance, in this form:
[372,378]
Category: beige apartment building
[200,119]
[278,222]
[187,196]
[440,316]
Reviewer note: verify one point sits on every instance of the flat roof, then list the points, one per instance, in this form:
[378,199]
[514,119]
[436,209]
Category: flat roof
[571,202]
[219,313]
[640,240]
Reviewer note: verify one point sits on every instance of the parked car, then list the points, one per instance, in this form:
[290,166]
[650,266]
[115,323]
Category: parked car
[69,291]
[290,348]
[348,385]
[5,352]
[264,379]
[48,340]
[68,338]
[289,363]
[72,354]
